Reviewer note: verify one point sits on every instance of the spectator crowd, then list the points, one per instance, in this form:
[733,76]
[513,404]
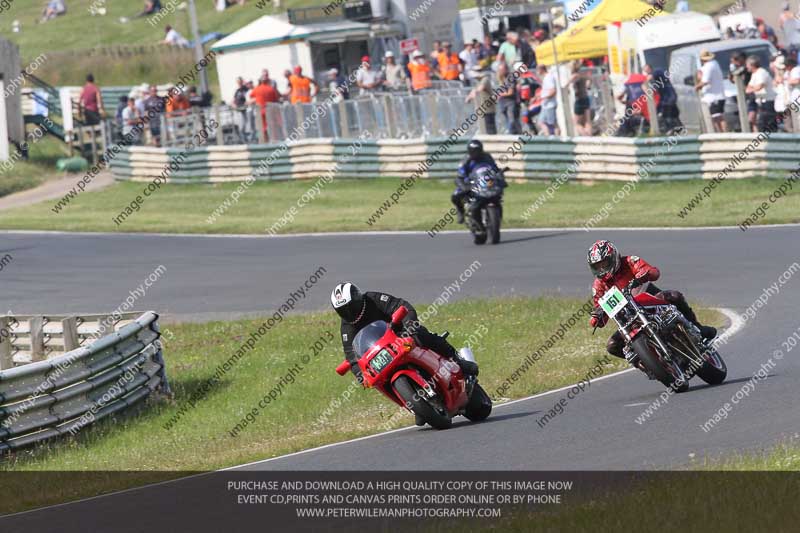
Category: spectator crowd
[530,103]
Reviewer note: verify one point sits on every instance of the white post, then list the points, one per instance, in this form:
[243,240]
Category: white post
[66,113]
[741,102]
[4,153]
[198,47]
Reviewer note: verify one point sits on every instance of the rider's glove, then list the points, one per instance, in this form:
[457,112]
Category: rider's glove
[636,282]
[597,318]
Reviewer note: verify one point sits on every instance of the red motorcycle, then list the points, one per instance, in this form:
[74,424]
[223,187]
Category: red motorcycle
[660,341]
[431,386]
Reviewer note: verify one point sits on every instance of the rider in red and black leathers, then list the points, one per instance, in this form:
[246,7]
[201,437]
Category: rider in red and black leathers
[475,156]
[612,269]
[360,309]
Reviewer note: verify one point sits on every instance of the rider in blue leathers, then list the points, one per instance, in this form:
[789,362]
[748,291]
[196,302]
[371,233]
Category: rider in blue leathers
[475,156]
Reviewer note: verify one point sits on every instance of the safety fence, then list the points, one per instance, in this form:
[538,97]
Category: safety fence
[542,158]
[63,393]
[385,115]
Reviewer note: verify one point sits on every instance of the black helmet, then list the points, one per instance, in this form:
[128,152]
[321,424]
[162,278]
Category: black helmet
[348,302]
[474,148]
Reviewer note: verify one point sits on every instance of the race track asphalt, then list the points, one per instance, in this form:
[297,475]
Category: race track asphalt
[208,277]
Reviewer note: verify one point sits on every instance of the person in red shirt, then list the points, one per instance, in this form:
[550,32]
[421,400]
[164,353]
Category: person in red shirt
[91,102]
[261,95]
[610,269]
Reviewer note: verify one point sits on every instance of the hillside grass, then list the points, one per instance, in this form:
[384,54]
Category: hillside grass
[346,205]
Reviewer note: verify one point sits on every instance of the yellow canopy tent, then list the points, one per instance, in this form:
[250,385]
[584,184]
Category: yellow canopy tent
[588,38]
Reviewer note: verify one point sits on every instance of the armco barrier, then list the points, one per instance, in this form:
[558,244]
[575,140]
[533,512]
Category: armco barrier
[30,338]
[601,158]
[60,395]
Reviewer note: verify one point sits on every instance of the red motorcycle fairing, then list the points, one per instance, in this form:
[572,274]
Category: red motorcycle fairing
[446,375]
[648,300]
[410,360]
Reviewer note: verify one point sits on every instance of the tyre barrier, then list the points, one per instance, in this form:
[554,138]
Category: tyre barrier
[59,396]
[537,158]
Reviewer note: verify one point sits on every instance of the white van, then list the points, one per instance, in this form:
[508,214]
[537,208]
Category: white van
[633,44]
[685,62]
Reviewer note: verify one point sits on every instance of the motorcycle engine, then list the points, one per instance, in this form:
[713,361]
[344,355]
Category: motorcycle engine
[667,316]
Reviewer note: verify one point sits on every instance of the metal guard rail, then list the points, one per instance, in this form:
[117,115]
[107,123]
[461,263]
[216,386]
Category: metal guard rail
[59,396]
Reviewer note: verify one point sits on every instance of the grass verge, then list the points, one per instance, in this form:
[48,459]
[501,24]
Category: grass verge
[39,167]
[346,205]
[743,492]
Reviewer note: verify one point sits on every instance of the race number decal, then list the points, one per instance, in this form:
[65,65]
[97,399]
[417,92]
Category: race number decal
[613,301]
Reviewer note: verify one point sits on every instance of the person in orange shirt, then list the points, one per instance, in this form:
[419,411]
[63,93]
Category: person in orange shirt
[449,63]
[300,87]
[178,104]
[420,72]
[261,95]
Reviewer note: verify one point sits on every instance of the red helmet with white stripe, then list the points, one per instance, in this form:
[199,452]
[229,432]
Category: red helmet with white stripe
[603,259]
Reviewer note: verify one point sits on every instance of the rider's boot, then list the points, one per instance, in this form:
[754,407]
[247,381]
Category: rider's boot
[469,368]
[635,361]
[418,420]
[460,214]
[708,332]
[440,345]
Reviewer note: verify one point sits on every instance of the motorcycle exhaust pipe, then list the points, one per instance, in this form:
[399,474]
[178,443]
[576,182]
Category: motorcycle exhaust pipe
[466,354]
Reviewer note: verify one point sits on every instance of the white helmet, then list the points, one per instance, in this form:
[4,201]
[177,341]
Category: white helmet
[348,302]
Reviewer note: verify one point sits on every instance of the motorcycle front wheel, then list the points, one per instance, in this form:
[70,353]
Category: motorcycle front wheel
[652,363]
[493,223]
[416,400]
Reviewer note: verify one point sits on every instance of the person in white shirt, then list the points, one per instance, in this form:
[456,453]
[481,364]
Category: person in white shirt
[130,117]
[549,96]
[469,57]
[173,38]
[793,79]
[712,89]
[393,75]
[762,88]
[368,80]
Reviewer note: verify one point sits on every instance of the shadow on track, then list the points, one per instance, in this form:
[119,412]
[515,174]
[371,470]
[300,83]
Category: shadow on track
[535,237]
[462,422]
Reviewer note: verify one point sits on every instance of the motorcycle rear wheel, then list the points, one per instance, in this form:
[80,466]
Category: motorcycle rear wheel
[713,370]
[479,406]
[415,399]
[710,373]
[651,362]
